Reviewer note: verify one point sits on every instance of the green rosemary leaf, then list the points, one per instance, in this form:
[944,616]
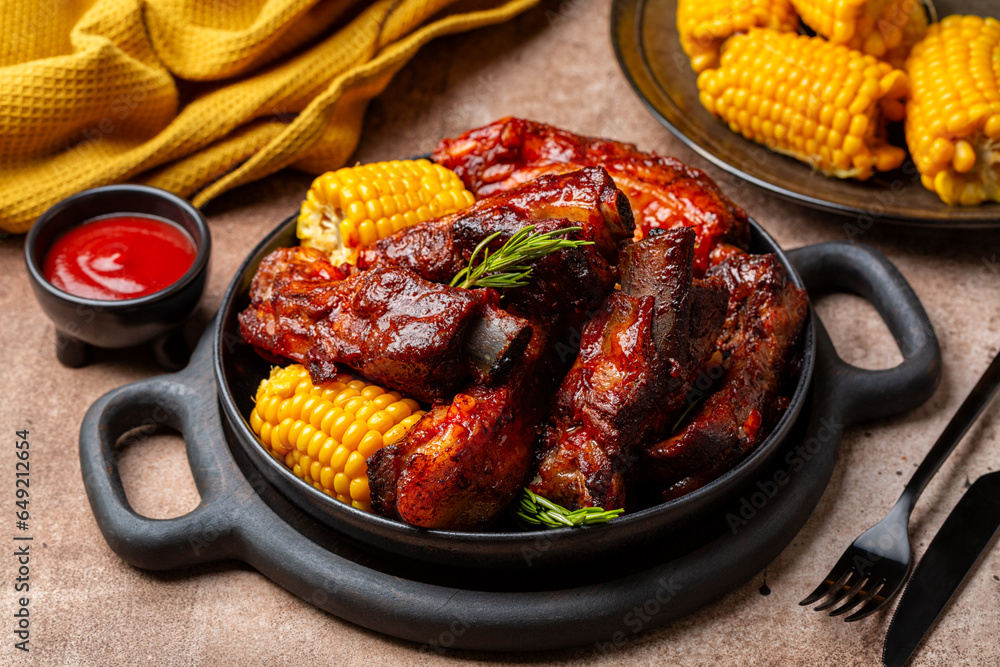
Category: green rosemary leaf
[559,518]
[551,506]
[529,518]
[687,411]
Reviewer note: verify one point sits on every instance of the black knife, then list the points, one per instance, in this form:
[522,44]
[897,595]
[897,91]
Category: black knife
[954,551]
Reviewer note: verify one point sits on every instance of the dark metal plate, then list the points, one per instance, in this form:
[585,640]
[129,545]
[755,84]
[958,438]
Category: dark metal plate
[644,34]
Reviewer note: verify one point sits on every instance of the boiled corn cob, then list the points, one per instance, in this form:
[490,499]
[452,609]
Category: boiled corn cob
[953,117]
[325,433]
[703,25]
[875,27]
[804,97]
[353,207]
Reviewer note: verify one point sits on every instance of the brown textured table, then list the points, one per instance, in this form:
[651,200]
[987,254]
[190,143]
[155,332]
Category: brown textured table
[554,64]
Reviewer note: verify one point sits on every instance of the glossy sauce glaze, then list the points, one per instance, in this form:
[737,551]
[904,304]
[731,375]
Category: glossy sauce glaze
[664,192]
[119,257]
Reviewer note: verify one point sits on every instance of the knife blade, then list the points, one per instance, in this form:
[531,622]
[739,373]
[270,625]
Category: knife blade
[954,551]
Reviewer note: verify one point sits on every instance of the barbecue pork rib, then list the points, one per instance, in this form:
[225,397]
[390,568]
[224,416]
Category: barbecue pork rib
[572,279]
[764,321]
[439,248]
[422,338]
[292,264]
[638,359]
[664,192]
[461,465]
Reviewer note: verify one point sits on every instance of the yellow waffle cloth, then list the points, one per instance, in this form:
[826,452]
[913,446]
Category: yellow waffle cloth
[196,96]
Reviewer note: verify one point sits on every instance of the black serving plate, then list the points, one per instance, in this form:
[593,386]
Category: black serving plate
[644,35]
[498,591]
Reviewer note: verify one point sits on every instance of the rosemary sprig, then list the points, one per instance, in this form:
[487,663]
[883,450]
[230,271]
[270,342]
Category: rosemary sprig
[510,265]
[538,511]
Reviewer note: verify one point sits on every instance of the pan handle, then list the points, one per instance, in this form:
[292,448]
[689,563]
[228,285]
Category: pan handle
[865,395]
[186,403]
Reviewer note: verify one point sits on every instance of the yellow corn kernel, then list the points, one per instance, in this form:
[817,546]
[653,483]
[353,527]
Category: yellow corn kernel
[839,93]
[370,443]
[359,490]
[703,25]
[886,29]
[953,115]
[354,207]
[325,433]
[397,432]
[965,157]
[341,484]
[992,127]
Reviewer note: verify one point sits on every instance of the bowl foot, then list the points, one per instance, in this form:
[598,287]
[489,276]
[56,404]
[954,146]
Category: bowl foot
[172,351]
[71,352]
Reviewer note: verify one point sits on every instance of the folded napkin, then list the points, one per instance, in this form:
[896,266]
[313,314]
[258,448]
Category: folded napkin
[196,96]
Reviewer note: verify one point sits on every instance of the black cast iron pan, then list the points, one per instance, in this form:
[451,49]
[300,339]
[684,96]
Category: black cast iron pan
[376,579]
[239,370]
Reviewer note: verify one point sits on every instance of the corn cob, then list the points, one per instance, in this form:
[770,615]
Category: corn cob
[353,207]
[703,25]
[325,433]
[875,27]
[802,96]
[953,117]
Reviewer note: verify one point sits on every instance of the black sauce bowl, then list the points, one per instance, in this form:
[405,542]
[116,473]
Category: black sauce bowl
[81,322]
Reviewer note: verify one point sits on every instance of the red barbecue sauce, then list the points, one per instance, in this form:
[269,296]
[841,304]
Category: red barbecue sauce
[119,257]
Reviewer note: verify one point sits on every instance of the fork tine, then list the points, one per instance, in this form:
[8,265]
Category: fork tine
[873,602]
[828,586]
[844,590]
[844,566]
[817,594]
[856,596]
